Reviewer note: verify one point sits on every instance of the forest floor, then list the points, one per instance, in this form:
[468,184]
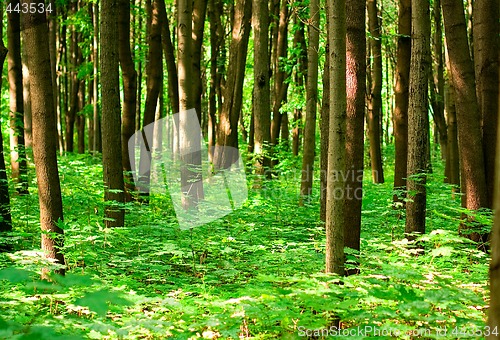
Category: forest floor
[256,273]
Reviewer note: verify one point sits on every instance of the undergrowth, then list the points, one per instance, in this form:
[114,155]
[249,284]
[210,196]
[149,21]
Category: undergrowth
[256,273]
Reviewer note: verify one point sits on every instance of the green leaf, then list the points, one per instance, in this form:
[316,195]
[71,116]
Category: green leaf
[15,275]
[98,301]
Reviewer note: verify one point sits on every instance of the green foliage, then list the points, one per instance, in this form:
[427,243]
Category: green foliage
[255,273]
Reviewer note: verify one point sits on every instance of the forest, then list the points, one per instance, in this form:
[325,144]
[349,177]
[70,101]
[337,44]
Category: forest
[249,169]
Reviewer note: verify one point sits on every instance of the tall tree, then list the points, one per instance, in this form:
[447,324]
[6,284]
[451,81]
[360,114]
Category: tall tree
[401,96]
[5,217]
[111,122]
[36,34]
[227,132]
[375,93]
[324,131]
[97,147]
[355,88]
[261,90]
[129,76]
[312,100]
[485,37]
[468,118]
[335,191]
[198,25]
[189,138]
[299,42]
[418,117]
[16,112]
[74,83]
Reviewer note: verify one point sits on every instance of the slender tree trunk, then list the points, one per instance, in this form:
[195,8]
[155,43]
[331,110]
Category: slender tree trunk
[111,124]
[375,96]
[198,23]
[468,116]
[28,125]
[74,85]
[452,170]
[36,34]
[418,117]
[335,191]
[261,90]
[62,80]
[486,47]
[80,118]
[189,140]
[311,101]
[17,151]
[6,219]
[227,131]
[169,51]
[401,98]
[299,41]
[129,76]
[97,118]
[355,88]
[324,132]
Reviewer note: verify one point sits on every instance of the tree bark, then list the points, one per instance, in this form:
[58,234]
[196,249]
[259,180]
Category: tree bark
[198,25]
[111,122]
[129,76]
[452,166]
[485,37]
[311,101]
[324,132]
[375,94]
[355,88]
[95,56]
[16,112]
[261,90]
[401,99]
[468,117]
[227,131]
[36,34]
[299,41]
[169,52]
[6,219]
[335,203]
[418,118]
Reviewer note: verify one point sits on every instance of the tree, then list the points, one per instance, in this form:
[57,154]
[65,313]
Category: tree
[335,191]
[111,122]
[189,140]
[418,117]
[401,97]
[227,132]
[198,25]
[485,37]
[36,34]
[355,89]
[129,76]
[5,217]
[261,90]
[312,101]
[16,114]
[375,94]
[468,118]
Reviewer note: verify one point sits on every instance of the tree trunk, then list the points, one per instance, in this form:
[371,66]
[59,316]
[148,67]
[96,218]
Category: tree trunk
[375,94]
[227,131]
[80,117]
[28,125]
[355,88]
[169,51]
[111,122]
[129,76]
[335,191]
[324,132]
[6,219]
[299,41]
[16,112]
[485,37]
[261,90]
[198,25]
[97,118]
[74,85]
[401,99]
[468,117]
[189,140]
[418,117]
[311,101]
[452,171]
[36,34]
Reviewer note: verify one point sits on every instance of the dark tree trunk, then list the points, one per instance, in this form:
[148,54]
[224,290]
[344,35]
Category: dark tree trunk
[299,41]
[6,219]
[169,51]
[129,76]
[452,167]
[199,13]
[355,88]
[486,47]
[36,34]
[375,94]
[97,118]
[401,99]
[111,122]
[227,131]
[324,132]
[418,127]
[17,152]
